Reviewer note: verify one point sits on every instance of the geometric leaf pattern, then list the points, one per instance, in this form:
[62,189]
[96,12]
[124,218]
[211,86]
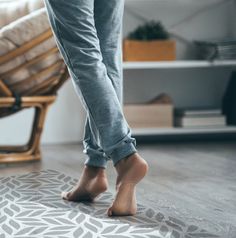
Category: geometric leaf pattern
[31,206]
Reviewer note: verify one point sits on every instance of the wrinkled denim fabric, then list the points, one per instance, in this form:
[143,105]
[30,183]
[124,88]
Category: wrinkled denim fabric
[88,35]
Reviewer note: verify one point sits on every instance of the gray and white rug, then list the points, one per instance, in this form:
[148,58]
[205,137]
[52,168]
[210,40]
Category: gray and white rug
[31,206]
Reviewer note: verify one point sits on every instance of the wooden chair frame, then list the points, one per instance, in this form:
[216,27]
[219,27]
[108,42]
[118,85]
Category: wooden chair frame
[44,96]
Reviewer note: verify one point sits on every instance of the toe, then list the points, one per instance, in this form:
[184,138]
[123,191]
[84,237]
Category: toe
[64,195]
[109,211]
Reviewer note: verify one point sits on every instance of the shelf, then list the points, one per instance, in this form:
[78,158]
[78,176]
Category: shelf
[178,64]
[197,3]
[183,131]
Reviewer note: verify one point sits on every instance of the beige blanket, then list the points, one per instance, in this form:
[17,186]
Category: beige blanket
[13,10]
[19,32]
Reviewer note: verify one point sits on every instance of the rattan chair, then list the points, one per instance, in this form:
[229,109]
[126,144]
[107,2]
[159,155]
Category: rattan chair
[40,97]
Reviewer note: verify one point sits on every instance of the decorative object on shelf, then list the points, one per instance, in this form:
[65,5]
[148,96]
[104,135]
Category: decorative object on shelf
[199,117]
[151,30]
[162,98]
[220,50]
[229,100]
[149,42]
[157,112]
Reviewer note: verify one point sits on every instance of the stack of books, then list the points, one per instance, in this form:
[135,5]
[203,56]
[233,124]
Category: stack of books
[220,50]
[199,117]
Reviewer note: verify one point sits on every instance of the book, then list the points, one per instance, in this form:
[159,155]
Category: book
[196,112]
[200,121]
[216,49]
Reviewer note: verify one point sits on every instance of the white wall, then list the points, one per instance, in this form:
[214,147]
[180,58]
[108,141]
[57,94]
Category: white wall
[65,121]
[232,13]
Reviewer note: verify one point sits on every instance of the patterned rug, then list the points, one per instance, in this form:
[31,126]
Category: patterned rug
[31,206]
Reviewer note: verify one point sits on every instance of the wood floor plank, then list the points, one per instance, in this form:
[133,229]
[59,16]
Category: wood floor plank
[192,181]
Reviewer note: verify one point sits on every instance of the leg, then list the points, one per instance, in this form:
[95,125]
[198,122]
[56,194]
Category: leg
[110,45]
[80,47]
[108,21]
[74,29]
[96,155]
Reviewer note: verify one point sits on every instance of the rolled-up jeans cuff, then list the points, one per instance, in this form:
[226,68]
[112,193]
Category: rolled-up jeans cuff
[125,148]
[96,161]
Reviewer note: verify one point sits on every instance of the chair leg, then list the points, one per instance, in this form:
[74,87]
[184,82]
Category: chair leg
[30,151]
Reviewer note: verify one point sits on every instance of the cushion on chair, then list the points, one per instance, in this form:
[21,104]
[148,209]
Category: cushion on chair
[19,32]
[13,10]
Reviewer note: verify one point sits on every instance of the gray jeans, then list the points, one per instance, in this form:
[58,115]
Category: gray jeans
[88,35]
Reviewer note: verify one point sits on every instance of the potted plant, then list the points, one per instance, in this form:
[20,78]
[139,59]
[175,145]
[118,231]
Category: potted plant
[149,42]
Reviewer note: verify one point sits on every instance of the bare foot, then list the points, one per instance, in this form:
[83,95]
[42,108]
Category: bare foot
[92,182]
[130,171]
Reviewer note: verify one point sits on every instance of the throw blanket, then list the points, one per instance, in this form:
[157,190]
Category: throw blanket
[19,32]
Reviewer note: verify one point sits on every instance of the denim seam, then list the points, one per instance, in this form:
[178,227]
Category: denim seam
[72,67]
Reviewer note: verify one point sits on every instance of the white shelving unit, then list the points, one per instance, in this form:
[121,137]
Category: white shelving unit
[182,65]
[184,131]
[175,131]
[178,64]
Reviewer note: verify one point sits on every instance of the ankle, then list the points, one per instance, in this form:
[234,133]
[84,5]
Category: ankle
[130,161]
[131,171]
[95,171]
[123,162]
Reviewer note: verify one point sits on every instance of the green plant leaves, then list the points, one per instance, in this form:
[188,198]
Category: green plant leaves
[151,30]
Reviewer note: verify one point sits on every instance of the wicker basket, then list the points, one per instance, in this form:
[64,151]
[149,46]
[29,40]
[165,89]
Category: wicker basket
[153,50]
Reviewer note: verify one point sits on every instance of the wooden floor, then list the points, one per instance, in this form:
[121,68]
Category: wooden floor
[192,181]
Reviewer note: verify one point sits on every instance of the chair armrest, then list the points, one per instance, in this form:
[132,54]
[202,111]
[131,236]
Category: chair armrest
[26,102]
[4,90]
